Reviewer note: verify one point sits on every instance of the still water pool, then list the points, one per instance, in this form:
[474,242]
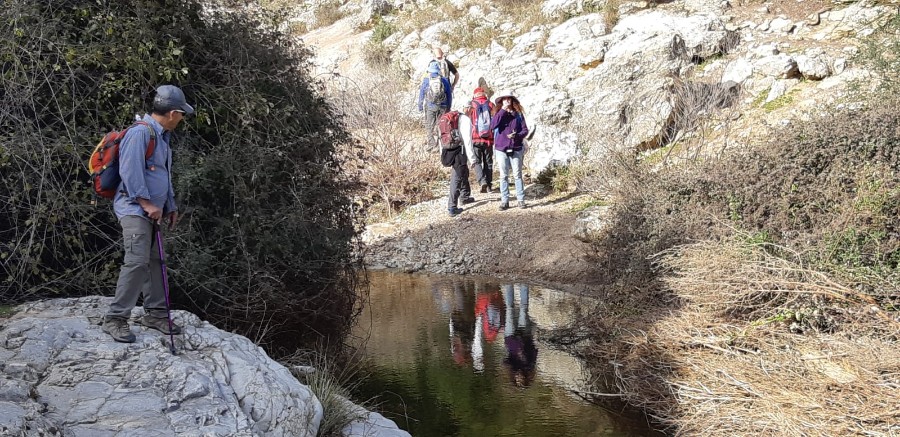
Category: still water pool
[456,356]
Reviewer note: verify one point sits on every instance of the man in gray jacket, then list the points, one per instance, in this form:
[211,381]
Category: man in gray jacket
[145,197]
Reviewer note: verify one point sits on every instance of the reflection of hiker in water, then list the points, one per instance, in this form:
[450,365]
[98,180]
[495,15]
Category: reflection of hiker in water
[488,322]
[522,353]
[488,311]
[462,324]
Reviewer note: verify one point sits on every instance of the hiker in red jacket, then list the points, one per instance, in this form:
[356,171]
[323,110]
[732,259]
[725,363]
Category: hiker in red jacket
[480,110]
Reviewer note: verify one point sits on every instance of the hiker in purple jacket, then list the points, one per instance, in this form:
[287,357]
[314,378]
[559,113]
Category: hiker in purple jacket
[510,130]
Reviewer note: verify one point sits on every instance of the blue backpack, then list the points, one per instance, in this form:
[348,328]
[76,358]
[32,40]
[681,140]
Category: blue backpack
[483,121]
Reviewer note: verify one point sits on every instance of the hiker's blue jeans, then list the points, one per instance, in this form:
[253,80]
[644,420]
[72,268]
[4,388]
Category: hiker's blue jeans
[141,273]
[506,164]
[509,301]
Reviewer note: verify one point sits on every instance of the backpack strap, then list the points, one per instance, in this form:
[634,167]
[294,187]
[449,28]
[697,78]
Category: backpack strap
[151,145]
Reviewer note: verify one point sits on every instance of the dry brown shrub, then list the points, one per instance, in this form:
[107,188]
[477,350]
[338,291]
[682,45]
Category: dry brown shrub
[393,166]
[611,14]
[696,367]
[794,334]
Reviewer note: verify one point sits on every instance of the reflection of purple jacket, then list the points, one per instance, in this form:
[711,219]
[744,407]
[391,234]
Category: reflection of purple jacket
[505,123]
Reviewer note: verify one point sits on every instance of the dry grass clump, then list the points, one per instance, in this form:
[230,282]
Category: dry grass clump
[418,18]
[805,355]
[393,166]
[327,14]
[470,33]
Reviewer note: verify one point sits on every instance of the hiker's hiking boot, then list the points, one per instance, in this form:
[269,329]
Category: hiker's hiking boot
[522,204]
[504,206]
[467,200]
[484,188]
[160,324]
[118,329]
[454,211]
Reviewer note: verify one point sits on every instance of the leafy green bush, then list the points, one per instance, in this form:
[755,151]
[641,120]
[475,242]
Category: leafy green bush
[266,246]
[382,30]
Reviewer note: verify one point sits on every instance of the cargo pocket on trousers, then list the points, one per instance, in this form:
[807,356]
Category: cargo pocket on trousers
[137,248]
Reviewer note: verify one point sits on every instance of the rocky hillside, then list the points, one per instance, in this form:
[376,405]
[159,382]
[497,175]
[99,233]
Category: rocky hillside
[611,75]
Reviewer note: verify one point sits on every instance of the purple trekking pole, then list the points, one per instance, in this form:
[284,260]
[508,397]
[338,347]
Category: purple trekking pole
[165,278]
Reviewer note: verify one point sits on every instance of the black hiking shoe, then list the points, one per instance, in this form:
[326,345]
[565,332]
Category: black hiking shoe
[504,206]
[468,200]
[160,324]
[522,204]
[118,329]
[485,188]
[454,211]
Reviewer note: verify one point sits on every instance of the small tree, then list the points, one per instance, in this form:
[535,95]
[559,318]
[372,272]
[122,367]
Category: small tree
[266,246]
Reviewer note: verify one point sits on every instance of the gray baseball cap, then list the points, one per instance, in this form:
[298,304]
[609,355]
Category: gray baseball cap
[171,98]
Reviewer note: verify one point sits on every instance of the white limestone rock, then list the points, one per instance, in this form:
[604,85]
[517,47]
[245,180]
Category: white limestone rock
[814,64]
[590,223]
[569,35]
[557,8]
[550,146]
[779,66]
[859,19]
[737,71]
[779,88]
[61,375]
[781,25]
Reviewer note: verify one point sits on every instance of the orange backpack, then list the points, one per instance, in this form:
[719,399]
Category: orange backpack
[104,161]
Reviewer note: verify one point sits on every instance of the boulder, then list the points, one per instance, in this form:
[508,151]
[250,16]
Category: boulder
[781,25]
[702,35]
[860,19]
[780,66]
[590,223]
[549,147]
[372,9]
[545,105]
[558,8]
[629,93]
[814,64]
[779,88]
[61,375]
[737,71]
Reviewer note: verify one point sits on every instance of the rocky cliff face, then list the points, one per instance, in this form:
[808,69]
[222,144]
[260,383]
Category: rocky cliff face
[612,84]
[60,375]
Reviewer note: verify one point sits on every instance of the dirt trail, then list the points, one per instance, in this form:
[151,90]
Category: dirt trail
[534,244]
[338,48]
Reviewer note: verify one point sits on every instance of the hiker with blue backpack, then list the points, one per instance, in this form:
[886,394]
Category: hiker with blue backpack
[143,200]
[510,132]
[435,98]
[480,112]
[446,68]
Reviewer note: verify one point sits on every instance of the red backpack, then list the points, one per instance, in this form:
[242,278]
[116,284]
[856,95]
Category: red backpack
[448,127]
[104,161]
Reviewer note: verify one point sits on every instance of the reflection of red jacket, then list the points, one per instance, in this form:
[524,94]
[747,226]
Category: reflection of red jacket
[486,305]
[471,112]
